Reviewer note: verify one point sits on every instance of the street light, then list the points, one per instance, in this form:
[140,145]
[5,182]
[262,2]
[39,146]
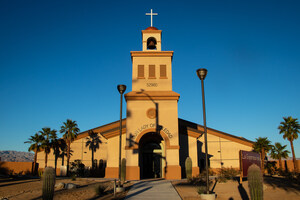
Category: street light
[202,74]
[121,89]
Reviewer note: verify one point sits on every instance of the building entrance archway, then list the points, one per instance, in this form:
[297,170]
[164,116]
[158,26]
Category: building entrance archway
[151,153]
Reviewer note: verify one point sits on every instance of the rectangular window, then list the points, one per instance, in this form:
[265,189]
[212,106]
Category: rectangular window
[141,73]
[151,71]
[163,71]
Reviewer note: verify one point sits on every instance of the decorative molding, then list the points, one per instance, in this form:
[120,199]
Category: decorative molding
[194,132]
[151,31]
[151,54]
[163,135]
[152,95]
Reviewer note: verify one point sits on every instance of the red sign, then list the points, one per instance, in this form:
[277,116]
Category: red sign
[247,158]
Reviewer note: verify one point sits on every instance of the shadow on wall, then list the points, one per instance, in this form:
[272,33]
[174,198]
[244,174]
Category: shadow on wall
[201,156]
[16,168]
[4,170]
[184,148]
[131,139]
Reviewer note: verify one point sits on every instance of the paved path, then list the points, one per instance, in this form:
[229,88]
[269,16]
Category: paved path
[155,189]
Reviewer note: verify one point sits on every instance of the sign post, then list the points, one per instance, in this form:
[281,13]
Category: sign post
[247,158]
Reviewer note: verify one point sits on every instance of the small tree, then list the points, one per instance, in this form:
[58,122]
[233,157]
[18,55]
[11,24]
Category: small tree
[262,146]
[290,128]
[278,152]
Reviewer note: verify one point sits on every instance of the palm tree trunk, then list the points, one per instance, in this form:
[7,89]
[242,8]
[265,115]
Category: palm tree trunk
[34,161]
[93,166]
[46,159]
[294,157]
[280,164]
[55,160]
[68,156]
[263,155]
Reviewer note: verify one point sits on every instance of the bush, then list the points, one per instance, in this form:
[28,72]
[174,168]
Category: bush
[200,180]
[226,174]
[271,168]
[73,177]
[100,189]
[77,168]
[201,189]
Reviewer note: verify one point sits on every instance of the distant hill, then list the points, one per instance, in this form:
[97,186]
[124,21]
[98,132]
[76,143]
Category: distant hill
[16,156]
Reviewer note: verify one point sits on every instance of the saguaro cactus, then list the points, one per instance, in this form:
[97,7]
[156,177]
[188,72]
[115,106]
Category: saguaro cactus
[48,183]
[255,182]
[188,167]
[123,170]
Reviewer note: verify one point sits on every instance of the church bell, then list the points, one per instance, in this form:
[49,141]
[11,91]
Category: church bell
[151,43]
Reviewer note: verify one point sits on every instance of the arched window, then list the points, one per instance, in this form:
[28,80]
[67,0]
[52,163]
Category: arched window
[151,43]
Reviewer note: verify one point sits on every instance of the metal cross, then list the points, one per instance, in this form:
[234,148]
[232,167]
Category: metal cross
[151,16]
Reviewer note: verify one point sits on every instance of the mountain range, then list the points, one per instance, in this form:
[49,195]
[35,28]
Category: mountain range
[16,156]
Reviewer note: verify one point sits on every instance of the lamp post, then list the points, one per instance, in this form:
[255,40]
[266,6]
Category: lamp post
[202,74]
[121,89]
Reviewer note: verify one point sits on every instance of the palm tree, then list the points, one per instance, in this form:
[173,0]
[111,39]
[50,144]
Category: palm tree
[278,151]
[70,130]
[58,145]
[36,143]
[262,146]
[47,144]
[290,128]
[93,143]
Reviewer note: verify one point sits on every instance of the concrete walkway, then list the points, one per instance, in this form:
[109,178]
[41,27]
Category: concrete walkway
[152,189]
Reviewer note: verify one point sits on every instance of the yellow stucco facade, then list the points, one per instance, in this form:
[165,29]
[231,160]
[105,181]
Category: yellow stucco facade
[155,142]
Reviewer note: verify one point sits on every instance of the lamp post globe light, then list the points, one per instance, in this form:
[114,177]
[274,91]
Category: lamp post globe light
[121,89]
[202,74]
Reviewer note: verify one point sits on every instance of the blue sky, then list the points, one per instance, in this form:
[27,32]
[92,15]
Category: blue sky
[64,59]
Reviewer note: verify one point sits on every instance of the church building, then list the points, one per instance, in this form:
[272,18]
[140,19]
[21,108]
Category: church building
[155,142]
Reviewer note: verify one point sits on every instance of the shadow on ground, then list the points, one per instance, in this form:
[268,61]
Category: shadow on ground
[282,183]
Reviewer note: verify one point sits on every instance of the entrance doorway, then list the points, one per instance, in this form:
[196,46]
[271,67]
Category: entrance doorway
[150,156]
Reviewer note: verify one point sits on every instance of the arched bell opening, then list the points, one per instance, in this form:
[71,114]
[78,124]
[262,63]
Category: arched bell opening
[151,43]
[151,154]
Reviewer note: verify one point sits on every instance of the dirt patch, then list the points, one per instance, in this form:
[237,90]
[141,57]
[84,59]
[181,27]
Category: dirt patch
[274,188]
[20,189]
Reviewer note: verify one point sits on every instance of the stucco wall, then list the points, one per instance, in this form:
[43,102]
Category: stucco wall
[16,167]
[222,150]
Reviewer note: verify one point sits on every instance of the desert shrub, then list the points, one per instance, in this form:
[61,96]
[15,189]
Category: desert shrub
[271,168]
[227,173]
[292,177]
[199,180]
[201,189]
[73,177]
[100,189]
[77,168]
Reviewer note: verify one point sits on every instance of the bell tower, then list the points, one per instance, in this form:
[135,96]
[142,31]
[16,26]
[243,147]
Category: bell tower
[152,142]
[151,67]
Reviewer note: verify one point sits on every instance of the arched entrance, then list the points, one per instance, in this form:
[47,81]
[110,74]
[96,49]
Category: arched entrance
[151,150]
